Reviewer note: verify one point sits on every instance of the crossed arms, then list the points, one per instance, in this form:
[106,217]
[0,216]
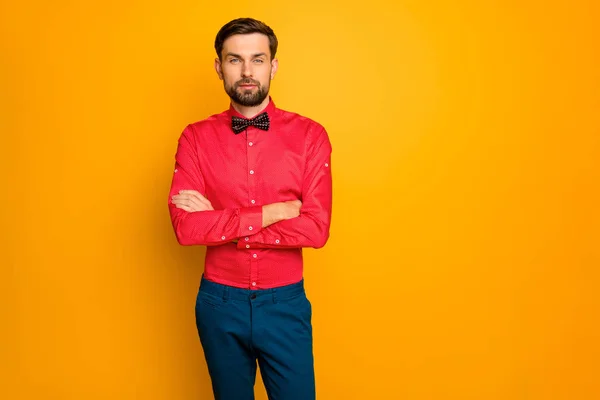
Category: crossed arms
[288,224]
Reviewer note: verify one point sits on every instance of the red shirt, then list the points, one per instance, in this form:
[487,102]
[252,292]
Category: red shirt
[241,173]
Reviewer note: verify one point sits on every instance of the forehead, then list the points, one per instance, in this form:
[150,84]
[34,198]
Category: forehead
[247,45]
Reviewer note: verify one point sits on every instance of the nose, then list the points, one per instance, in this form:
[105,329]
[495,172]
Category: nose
[246,70]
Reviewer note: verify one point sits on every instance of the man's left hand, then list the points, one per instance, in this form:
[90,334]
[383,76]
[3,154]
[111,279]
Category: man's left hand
[191,201]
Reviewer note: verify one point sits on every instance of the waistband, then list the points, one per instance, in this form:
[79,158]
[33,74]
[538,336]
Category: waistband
[234,293]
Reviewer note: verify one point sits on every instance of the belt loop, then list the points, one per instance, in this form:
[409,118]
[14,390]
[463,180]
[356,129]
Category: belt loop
[225,294]
[274,295]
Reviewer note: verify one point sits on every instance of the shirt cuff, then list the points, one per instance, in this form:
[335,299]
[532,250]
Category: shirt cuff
[250,220]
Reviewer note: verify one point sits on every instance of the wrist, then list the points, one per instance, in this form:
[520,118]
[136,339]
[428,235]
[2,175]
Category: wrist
[272,213]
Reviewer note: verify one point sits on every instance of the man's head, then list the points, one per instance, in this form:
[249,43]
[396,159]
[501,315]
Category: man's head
[246,60]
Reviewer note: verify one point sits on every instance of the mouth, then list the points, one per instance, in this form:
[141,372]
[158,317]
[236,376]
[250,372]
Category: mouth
[247,85]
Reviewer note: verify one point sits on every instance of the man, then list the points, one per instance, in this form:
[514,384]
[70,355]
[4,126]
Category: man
[253,184]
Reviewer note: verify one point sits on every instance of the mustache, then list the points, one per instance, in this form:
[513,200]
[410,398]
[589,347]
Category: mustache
[247,82]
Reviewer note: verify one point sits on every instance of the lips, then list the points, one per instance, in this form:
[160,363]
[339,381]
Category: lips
[247,85]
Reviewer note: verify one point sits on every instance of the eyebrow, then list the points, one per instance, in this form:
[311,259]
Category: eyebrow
[239,56]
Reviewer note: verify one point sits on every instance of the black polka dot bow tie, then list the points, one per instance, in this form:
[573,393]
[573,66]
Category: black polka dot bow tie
[261,121]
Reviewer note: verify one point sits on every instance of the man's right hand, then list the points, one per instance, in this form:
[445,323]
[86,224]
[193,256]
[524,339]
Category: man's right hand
[291,209]
[276,212]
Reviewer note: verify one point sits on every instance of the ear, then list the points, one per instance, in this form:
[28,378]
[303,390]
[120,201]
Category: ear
[274,67]
[218,68]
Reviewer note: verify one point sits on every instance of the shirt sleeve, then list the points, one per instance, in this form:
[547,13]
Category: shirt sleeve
[311,227]
[207,228]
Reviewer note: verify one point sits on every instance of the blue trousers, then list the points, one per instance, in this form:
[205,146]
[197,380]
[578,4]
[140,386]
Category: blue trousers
[240,327]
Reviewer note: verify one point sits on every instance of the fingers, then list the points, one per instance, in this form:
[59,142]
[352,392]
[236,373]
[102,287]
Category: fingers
[199,197]
[185,208]
[191,201]
[196,194]
[189,204]
[184,202]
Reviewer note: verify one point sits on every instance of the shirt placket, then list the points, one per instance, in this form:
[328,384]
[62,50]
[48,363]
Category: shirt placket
[253,173]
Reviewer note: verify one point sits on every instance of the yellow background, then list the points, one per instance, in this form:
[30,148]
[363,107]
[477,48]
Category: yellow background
[464,251]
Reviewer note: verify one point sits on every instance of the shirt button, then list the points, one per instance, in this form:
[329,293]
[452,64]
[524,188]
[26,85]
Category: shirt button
[252,201]
[251,172]
[247,246]
[254,255]
[250,144]
[326,164]
[175,169]
[277,241]
[249,228]
[246,239]
[222,237]
[253,283]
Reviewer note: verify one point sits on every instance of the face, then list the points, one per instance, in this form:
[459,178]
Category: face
[246,68]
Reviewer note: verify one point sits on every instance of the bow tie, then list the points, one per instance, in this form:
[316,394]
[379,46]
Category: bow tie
[261,121]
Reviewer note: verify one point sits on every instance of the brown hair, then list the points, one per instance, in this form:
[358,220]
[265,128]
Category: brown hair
[243,26]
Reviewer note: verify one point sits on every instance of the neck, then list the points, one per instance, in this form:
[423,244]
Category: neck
[250,112]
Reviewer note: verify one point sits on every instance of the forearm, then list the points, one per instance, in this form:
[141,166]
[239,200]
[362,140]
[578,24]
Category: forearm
[215,227]
[272,214]
[310,229]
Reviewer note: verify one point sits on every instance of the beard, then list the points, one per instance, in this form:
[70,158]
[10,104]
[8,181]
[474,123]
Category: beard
[247,98]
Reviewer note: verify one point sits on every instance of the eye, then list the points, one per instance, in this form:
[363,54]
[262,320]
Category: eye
[259,61]
[234,60]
